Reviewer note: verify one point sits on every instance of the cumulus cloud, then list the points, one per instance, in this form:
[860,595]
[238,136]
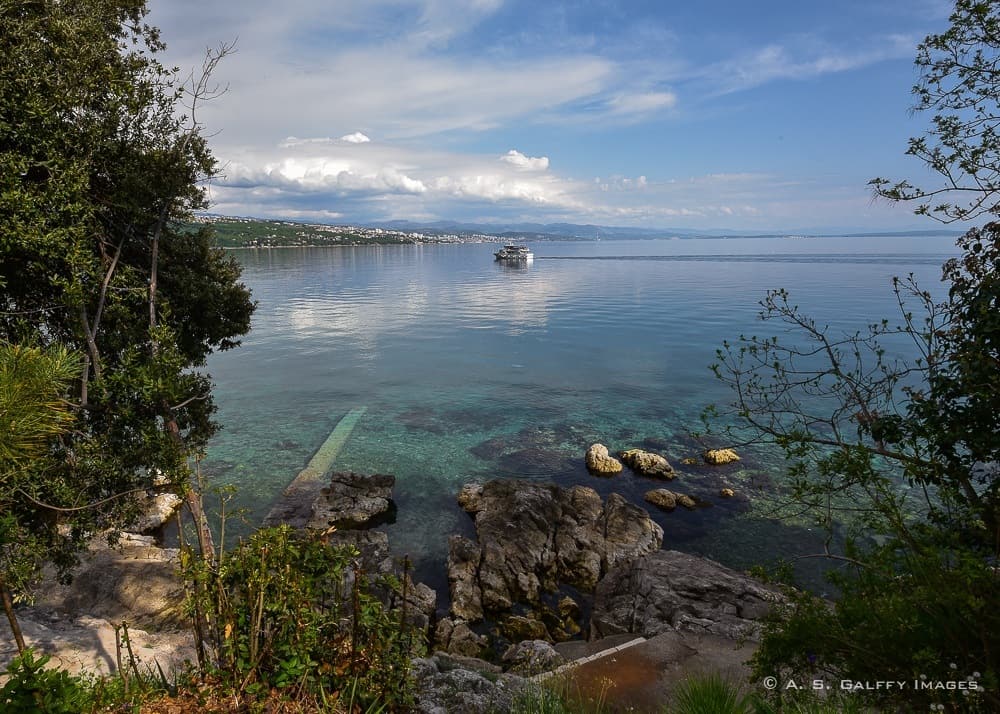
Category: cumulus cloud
[534,163]
[355,138]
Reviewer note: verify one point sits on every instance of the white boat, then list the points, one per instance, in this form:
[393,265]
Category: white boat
[514,254]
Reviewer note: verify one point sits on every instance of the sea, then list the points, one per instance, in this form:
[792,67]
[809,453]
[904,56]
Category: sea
[469,370]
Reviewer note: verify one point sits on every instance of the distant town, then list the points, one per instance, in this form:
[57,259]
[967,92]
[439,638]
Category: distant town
[233,232]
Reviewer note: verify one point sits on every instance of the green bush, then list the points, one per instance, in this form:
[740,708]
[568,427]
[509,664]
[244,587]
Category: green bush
[32,689]
[285,611]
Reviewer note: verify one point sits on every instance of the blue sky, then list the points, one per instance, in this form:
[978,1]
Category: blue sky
[755,116]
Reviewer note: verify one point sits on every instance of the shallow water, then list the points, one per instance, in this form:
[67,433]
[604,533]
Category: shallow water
[470,370]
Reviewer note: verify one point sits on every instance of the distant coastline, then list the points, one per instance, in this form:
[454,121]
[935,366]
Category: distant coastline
[257,233]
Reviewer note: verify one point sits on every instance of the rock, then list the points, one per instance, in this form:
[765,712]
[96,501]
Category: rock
[157,510]
[134,581]
[727,493]
[661,498]
[533,536]
[470,497]
[445,685]
[518,627]
[352,501]
[669,590]
[646,463]
[373,546]
[82,644]
[419,604]
[464,557]
[669,500]
[532,657]
[689,461]
[720,456]
[464,641]
[456,637]
[600,462]
[684,500]
[628,532]
[569,608]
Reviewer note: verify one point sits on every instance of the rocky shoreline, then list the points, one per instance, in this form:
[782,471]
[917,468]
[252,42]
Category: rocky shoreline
[548,565]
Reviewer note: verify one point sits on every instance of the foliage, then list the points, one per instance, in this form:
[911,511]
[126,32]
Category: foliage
[99,166]
[33,689]
[899,457]
[960,84]
[709,694]
[286,611]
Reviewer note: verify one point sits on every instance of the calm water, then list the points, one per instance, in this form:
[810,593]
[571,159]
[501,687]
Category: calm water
[471,370]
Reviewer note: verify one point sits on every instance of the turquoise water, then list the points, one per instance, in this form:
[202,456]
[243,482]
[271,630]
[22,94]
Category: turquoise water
[470,370]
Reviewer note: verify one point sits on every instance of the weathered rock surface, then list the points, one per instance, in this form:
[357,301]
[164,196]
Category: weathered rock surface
[600,462]
[720,456]
[456,637]
[157,510]
[81,643]
[646,463]
[669,590]
[135,581]
[352,500]
[531,657]
[373,546]
[448,684]
[727,492]
[669,500]
[532,536]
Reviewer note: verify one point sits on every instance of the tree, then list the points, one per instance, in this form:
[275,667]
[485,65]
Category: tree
[960,83]
[34,410]
[899,460]
[100,167]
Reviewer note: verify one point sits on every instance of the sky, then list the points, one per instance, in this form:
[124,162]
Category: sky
[720,114]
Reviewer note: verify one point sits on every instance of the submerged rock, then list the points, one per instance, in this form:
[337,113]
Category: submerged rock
[600,462]
[727,492]
[669,500]
[352,500]
[669,590]
[646,463]
[720,456]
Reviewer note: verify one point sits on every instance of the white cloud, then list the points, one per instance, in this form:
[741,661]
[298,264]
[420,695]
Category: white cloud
[533,163]
[809,58]
[355,138]
[641,102]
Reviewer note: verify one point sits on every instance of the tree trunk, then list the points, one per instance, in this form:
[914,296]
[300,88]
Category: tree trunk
[8,608]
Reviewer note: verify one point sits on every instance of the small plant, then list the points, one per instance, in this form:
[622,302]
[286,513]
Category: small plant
[33,689]
[710,694]
[560,696]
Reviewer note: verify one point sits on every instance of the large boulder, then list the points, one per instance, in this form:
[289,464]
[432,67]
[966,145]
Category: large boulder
[602,463]
[669,590]
[532,657]
[534,536]
[646,463]
[446,684]
[353,501]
